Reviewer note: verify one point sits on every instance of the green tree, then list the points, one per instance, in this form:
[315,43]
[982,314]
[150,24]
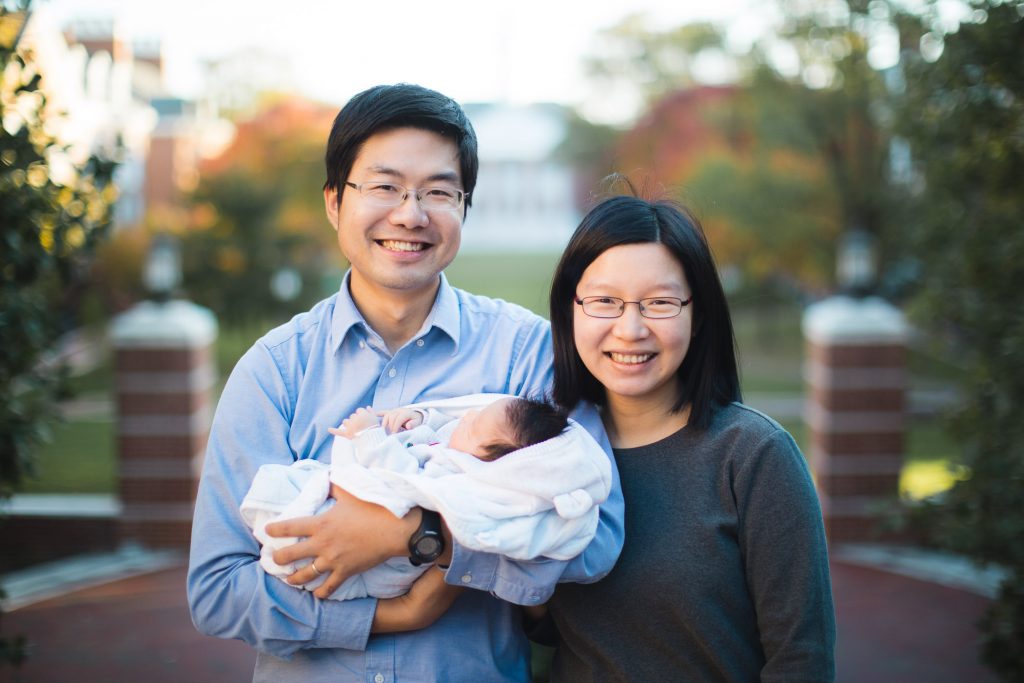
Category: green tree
[963,116]
[50,226]
[805,153]
[655,63]
[258,209]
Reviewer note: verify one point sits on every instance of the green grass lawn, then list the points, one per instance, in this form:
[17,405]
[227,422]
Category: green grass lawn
[81,456]
[524,279]
[80,459]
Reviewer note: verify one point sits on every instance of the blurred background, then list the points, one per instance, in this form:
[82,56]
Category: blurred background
[806,135]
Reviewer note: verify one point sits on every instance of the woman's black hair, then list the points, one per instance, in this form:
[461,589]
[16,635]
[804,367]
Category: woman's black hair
[708,375]
[386,107]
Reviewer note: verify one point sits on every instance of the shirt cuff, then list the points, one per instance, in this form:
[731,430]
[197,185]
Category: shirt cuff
[345,623]
[521,583]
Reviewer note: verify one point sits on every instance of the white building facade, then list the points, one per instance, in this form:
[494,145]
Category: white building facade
[524,196]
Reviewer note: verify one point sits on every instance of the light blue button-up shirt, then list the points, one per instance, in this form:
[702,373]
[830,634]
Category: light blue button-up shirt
[308,375]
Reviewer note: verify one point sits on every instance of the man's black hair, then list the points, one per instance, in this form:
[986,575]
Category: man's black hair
[386,107]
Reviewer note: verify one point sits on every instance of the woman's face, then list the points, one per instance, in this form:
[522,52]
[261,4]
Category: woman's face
[635,358]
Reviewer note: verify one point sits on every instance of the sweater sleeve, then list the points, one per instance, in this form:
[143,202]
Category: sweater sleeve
[782,539]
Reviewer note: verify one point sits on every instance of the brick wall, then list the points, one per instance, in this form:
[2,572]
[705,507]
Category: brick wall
[164,375]
[856,413]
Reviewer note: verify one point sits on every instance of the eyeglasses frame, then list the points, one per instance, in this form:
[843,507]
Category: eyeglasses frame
[358,187]
[683,303]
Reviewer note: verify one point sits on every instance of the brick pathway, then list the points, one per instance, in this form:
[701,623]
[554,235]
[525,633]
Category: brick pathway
[891,628]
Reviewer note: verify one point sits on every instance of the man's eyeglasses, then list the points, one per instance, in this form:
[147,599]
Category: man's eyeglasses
[390,194]
[613,307]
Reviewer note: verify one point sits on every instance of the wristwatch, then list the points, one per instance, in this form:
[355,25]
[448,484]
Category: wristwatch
[426,543]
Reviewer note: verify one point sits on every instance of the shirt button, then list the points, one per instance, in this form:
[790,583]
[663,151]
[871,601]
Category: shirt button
[379,678]
[419,342]
[467,577]
[392,372]
[362,345]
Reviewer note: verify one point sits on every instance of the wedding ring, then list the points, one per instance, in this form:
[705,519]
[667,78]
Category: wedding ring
[313,565]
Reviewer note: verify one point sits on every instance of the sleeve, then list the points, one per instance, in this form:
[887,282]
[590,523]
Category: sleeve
[433,418]
[782,538]
[229,594]
[532,582]
[439,412]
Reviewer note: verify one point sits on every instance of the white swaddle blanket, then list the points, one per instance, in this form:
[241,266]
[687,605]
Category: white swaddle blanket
[539,501]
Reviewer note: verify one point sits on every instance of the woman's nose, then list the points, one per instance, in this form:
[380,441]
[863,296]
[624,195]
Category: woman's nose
[631,325]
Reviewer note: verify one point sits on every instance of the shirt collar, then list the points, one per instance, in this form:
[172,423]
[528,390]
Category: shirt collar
[444,315]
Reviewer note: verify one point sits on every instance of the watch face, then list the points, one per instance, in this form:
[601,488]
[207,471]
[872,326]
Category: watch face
[428,546]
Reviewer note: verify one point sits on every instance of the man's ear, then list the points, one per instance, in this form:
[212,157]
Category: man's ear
[331,206]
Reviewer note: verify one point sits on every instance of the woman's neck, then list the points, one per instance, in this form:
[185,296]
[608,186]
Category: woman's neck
[631,422]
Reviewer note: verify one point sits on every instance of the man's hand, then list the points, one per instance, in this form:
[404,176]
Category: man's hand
[401,419]
[426,601]
[348,539]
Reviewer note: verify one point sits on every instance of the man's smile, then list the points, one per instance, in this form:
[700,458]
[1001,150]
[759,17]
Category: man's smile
[399,245]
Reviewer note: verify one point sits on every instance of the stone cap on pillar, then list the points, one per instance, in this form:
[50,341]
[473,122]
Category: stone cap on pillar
[172,324]
[848,320]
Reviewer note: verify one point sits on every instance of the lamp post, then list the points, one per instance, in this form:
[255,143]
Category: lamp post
[856,377]
[164,376]
[162,272]
[856,263]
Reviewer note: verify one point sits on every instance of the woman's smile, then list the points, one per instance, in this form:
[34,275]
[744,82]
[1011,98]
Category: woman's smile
[630,358]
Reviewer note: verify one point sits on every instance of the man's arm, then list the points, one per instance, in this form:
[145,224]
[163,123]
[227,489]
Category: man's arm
[229,594]
[532,582]
[427,599]
[355,535]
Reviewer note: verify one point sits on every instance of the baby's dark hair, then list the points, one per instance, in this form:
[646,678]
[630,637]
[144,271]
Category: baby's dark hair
[531,420]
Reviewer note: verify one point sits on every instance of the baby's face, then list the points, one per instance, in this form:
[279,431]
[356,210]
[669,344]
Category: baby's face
[477,428]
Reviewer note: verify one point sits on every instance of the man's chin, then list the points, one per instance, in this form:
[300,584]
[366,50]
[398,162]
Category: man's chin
[406,279]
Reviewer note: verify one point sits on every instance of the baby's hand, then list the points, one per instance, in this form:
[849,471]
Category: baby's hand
[364,418]
[401,419]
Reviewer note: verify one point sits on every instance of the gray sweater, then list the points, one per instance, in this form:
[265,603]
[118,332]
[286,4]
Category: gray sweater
[724,573]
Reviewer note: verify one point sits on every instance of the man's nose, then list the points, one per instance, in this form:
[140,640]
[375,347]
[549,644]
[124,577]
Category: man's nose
[410,213]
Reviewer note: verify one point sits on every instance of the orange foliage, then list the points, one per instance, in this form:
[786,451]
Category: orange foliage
[282,129]
[671,139]
[768,208]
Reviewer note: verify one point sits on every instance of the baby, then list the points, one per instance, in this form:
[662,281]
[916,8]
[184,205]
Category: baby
[541,501]
[506,425]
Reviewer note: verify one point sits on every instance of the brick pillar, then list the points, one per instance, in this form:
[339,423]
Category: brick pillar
[856,413]
[164,374]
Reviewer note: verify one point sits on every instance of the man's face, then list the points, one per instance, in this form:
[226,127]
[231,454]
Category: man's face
[399,249]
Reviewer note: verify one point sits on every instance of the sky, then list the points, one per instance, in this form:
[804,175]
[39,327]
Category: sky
[473,50]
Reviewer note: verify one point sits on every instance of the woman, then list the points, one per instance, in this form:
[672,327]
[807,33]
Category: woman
[724,572]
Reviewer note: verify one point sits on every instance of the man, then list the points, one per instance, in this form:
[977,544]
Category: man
[401,167]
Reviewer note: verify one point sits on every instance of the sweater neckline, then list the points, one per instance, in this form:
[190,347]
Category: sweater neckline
[680,434]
